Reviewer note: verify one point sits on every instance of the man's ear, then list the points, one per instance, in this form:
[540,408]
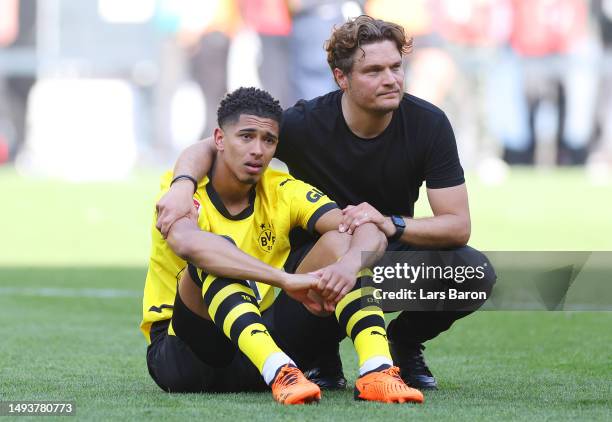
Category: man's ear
[218,135]
[341,79]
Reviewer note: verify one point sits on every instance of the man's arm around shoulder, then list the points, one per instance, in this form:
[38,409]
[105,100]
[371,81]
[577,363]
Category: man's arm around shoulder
[195,161]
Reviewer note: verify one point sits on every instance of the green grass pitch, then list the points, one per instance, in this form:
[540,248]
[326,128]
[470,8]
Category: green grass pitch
[72,265]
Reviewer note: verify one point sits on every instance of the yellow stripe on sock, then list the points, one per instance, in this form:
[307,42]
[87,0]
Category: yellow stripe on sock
[357,316]
[365,272]
[359,293]
[235,313]
[223,294]
[257,347]
[207,282]
[369,345]
[351,296]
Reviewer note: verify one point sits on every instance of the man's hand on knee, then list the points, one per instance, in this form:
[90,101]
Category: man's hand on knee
[355,216]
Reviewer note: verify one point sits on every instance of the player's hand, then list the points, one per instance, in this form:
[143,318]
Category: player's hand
[299,287]
[335,281]
[323,308]
[175,204]
[354,216]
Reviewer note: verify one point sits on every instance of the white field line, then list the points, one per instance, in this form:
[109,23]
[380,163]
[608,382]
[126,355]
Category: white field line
[69,292]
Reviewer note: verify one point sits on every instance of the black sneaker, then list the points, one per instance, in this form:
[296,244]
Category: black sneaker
[327,373]
[413,369]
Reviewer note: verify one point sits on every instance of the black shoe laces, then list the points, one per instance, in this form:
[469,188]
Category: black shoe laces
[414,361]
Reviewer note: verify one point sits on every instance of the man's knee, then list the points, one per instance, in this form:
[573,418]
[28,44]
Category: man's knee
[417,327]
[477,260]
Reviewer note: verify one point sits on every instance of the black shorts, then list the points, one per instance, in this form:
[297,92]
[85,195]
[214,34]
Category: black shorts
[301,243]
[201,359]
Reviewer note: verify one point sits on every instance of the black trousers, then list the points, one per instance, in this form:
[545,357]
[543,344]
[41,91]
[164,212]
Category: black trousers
[413,327]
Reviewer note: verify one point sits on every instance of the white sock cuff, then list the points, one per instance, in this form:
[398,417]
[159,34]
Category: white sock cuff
[373,363]
[272,363]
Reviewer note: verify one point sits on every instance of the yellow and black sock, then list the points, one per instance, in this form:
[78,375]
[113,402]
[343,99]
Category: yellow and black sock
[364,323]
[233,308]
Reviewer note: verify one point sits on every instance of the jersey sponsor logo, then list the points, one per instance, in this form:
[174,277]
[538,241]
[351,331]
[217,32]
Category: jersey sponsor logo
[372,333]
[256,331]
[266,238]
[284,182]
[314,195]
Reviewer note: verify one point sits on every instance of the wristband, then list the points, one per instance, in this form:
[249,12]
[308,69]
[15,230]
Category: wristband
[186,176]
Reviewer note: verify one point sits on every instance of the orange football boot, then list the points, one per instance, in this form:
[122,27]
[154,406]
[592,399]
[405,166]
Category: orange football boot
[385,386]
[290,386]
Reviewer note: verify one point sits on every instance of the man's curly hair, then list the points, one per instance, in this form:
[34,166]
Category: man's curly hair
[248,101]
[355,33]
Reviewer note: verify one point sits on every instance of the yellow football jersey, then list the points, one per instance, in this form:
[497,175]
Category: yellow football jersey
[278,203]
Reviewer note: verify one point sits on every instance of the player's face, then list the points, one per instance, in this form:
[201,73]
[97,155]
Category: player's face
[376,82]
[247,146]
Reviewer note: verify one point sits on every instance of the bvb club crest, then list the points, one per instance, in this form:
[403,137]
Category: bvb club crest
[266,237]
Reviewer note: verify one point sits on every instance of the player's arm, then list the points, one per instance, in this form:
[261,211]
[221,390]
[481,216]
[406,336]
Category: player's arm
[218,256]
[195,161]
[312,210]
[336,280]
[449,227]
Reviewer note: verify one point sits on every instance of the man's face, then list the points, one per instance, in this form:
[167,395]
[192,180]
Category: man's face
[247,146]
[376,82]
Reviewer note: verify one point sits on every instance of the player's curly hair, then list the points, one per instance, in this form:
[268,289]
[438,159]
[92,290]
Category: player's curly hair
[364,29]
[248,101]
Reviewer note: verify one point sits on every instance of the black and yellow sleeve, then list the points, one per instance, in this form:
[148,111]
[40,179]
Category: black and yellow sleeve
[307,204]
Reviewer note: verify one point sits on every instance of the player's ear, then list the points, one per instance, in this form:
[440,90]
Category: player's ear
[218,135]
[341,79]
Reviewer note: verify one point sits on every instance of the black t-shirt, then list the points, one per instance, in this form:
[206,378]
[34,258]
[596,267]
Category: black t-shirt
[386,171]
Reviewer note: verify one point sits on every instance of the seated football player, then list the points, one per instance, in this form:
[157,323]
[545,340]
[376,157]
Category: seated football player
[222,329]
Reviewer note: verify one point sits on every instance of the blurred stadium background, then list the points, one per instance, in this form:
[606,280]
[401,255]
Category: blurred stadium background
[91,89]
[97,97]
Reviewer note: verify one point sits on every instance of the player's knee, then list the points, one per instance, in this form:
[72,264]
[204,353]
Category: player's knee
[383,241]
[334,244]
